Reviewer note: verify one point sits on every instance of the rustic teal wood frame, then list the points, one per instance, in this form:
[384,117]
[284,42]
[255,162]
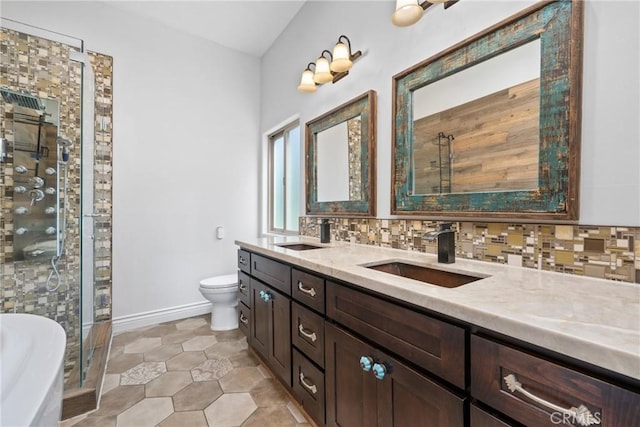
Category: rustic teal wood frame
[559,25]
[365,107]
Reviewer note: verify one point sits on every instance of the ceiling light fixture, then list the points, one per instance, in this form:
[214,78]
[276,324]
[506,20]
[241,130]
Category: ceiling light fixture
[329,67]
[408,12]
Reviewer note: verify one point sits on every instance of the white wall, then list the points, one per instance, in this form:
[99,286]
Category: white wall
[610,181]
[186,139]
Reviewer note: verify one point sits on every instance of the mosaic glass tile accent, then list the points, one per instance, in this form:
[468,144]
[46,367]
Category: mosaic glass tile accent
[43,67]
[103,166]
[611,253]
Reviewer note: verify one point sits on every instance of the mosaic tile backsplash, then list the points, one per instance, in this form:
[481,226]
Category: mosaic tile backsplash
[597,251]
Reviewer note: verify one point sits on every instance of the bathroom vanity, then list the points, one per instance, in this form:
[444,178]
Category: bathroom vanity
[362,346]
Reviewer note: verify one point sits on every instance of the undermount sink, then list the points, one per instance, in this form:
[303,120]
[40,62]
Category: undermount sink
[429,275]
[299,246]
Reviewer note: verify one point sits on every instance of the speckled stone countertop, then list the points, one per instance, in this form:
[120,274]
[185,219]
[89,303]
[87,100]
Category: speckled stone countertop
[593,320]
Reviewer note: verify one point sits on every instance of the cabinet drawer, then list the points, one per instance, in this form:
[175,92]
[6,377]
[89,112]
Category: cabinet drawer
[244,290]
[532,390]
[307,332]
[481,418]
[308,289]
[271,272]
[244,261]
[244,319]
[308,386]
[432,344]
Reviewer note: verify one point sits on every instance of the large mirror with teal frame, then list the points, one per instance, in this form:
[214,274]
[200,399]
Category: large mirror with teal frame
[491,126]
[340,149]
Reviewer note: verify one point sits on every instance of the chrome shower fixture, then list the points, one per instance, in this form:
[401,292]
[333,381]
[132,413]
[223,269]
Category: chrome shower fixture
[22,99]
[65,143]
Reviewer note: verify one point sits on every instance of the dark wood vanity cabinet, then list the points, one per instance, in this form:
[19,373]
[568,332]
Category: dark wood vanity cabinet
[431,344]
[244,293]
[264,310]
[271,328]
[536,391]
[354,358]
[366,387]
[308,340]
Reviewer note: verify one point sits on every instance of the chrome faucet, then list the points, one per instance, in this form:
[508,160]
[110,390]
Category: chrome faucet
[446,243]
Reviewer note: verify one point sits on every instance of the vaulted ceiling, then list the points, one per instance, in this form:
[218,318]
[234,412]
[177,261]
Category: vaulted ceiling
[244,25]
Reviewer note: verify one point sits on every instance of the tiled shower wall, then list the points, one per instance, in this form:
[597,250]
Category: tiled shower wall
[43,68]
[597,251]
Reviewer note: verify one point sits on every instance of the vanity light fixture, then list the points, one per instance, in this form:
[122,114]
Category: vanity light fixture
[307,84]
[323,70]
[329,67]
[408,12]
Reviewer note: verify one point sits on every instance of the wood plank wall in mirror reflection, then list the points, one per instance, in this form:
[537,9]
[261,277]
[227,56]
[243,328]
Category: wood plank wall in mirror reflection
[494,145]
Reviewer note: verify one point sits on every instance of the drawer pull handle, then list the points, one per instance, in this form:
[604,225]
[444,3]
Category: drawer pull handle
[243,319]
[243,287]
[365,363]
[580,415]
[379,370]
[312,336]
[306,290]
[242,260]
[312,388]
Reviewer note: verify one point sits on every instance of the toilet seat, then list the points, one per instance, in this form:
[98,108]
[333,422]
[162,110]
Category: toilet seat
[220,282]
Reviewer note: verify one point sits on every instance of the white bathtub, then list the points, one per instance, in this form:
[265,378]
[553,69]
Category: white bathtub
[31,370]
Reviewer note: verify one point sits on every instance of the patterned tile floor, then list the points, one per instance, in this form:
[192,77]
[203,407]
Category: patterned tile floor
[183,374]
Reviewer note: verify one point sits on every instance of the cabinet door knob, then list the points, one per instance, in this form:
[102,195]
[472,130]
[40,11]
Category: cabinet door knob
[266,297]
[242,260]
[379,370]
[243,287]
[365,363]
[262,294]
[580,415]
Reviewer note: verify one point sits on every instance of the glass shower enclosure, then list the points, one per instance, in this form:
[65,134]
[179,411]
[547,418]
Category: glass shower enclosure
[48,198]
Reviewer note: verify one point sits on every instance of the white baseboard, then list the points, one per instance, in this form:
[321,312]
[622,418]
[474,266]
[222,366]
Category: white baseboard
[133,321]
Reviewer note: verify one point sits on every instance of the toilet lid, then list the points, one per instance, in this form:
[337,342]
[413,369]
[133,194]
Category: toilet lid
[226,281]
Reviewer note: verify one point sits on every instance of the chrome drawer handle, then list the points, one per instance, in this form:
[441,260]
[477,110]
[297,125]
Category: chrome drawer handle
[242,260]
[306,290]
[312,336]
[243,319]
[580,415]
[312,388]
[243,287]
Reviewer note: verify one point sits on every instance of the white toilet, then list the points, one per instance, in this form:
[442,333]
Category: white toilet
[222,291]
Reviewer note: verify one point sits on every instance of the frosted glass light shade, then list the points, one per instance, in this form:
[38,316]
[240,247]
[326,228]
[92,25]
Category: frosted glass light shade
[307,84]
[323,73]
[408,12]
[341,58]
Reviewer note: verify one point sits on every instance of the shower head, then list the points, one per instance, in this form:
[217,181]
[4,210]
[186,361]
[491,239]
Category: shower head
[63,141]
[22,99]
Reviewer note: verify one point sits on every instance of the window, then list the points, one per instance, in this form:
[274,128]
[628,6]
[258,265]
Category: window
[284,179]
